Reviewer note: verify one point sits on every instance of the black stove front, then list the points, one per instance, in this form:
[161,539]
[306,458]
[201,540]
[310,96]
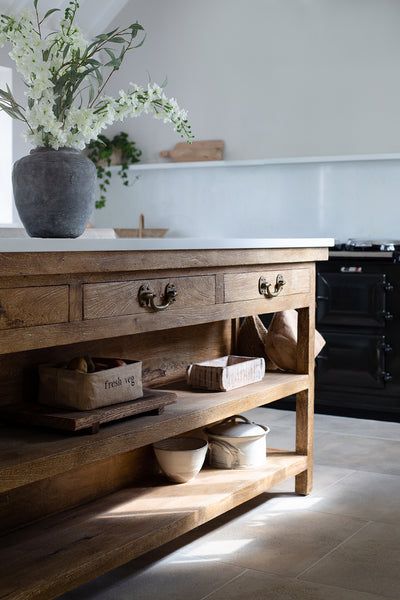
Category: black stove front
[358,313]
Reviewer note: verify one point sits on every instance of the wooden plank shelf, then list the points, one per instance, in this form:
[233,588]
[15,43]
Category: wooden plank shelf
[46,559]
[28,455]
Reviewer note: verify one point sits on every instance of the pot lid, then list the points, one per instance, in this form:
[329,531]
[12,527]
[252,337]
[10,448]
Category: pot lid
[238,427]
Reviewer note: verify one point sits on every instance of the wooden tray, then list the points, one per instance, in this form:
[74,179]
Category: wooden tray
[152,402]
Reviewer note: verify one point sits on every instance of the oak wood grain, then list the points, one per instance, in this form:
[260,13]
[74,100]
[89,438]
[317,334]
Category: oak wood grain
[244,286]
[33,414]
[29,306]
[47,559]
[111,327]
[305,398]
[29,456]
[42,498]
[53,263]
[121,298]
[165,356]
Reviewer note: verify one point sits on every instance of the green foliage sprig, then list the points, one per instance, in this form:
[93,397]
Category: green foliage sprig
[100,151]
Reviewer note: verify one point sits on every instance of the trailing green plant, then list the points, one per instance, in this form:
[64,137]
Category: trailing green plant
[100,151]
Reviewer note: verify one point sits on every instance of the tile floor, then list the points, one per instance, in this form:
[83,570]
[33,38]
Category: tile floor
[340,543]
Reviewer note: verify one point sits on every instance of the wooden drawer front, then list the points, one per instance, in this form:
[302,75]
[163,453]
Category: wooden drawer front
[30,306]
[121,298]
[245,286]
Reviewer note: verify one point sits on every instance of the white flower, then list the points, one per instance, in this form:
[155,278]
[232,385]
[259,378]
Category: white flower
[57,117]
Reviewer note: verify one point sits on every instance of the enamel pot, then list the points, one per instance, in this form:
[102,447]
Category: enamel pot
[237,443]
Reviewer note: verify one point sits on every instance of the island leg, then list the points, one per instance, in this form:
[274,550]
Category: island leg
[305,399]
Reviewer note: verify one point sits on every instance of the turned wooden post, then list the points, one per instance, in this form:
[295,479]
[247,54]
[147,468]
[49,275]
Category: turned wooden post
[305,399]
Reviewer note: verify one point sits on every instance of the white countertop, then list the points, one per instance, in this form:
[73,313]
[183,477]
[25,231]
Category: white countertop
[23,244]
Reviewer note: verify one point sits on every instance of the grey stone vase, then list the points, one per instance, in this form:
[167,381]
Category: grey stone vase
[55,192]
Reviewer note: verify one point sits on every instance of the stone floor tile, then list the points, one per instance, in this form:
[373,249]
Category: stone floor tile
[324,476]
[368,562]
[269,416]
[358,427]
[352,452]
[260,586]
[366,495]
[274,539]
[167,579]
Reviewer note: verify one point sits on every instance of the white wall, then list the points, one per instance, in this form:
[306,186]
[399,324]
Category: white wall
[273,78]
[354,199]
[325,82]
[20,147]
[6,207]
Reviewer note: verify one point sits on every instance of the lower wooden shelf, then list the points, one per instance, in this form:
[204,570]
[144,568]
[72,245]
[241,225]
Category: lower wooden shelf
[28,455]
[52,556]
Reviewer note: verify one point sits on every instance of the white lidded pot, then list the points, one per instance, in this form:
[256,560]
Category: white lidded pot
[237,443]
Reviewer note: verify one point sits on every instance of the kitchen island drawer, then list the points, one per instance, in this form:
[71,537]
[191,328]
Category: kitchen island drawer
[267,283]
[32,306]
[137,297]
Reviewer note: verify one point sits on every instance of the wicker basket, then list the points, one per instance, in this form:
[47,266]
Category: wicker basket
[226,373]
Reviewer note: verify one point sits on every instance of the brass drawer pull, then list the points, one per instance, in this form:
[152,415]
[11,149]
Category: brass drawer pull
[265,288]
[147,297]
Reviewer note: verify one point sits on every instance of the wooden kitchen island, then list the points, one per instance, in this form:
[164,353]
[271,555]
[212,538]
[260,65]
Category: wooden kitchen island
[75,506]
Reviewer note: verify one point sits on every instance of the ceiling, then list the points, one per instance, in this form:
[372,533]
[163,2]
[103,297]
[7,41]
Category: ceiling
[94,16]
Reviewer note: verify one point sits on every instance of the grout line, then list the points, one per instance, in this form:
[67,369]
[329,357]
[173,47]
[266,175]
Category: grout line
[226,583]
[333,550]
[356,435]
[294,579]
[358,469]
[338,480]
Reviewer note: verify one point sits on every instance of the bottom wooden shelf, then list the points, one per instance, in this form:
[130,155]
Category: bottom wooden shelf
[59,553]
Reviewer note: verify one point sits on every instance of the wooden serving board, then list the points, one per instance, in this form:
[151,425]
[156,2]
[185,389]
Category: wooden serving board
[152,402]
[202,150]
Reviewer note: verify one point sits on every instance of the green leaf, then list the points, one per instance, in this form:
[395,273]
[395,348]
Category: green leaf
[10,112]
[117,39]
[101,203]
[110,53]
[99,77]
[5,95]
[104,36]
[50,12]
[35,3]
[91,93]
[135,27]
[140,43]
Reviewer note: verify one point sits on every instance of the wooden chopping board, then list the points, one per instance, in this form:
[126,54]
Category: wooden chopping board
[196,151]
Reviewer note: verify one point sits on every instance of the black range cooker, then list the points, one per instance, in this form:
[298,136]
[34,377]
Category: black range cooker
[358,313]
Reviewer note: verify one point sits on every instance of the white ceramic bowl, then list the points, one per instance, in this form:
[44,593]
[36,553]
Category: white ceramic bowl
[181,458]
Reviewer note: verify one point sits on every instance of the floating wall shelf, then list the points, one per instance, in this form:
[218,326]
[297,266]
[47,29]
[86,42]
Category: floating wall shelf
[260,162]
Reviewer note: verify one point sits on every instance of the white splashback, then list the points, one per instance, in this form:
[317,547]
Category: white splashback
[338,199]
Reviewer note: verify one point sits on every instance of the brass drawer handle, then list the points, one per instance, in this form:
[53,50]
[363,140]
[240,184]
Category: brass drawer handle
[147,297]
[265,288]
